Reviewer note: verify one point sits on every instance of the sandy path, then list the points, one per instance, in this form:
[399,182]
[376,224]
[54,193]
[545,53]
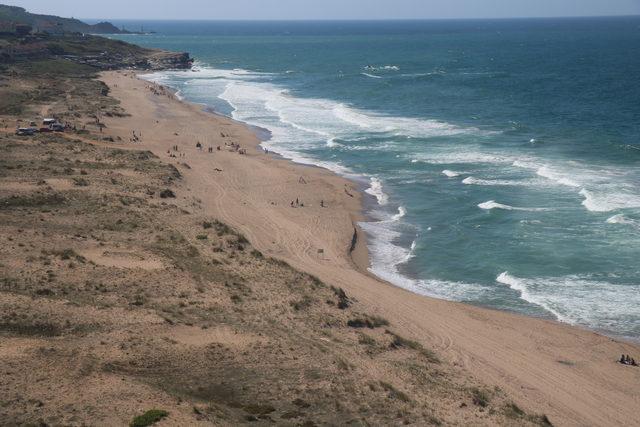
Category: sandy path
[567,373]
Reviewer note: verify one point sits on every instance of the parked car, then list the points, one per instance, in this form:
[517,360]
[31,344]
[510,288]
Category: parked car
[26,131]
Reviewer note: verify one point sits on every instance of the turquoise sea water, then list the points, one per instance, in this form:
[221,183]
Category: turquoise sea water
[501,157]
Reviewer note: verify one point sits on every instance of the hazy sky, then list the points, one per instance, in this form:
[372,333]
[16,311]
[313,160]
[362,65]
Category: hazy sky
[326,9]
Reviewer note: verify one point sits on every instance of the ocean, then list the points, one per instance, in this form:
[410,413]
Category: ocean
[500,157]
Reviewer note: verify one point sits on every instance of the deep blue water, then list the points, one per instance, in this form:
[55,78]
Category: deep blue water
[502,157]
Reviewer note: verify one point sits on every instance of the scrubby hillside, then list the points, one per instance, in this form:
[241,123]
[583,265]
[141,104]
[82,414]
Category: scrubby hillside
[121,297]
[50,23]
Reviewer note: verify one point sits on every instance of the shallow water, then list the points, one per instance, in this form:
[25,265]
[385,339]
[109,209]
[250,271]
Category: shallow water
[501,157]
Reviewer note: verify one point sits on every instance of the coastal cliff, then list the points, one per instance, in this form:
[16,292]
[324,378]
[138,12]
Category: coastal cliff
[29,37]
[98,52]
[12,15]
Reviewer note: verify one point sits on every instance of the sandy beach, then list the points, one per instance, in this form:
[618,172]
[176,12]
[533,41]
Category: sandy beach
[566,372]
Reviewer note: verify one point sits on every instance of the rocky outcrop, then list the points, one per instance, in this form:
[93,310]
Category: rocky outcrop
[170,60]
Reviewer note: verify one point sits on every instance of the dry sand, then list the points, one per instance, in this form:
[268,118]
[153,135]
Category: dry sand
[568,373]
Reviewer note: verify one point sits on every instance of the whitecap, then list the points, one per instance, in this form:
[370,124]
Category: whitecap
[548,173]
[331,142]
[387,257]
[581,300]
[375,189]
[606,201]
[447,172]
[494,182]
[491,204]
[371,76]
[401,126]
[618,219]
[401,213]
[520,286]
[382,68]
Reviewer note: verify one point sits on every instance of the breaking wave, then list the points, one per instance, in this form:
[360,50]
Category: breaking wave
[581,300]
[491,204]
[375,189]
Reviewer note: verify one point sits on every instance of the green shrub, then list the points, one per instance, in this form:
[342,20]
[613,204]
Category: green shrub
[305,302]
[343,300]
[257,409]
[148,418]
[400,342]
[394,393]
[167,194]
[80,182]
[479,397]
[67,254]
[370,322]
[366,340]
[256,253]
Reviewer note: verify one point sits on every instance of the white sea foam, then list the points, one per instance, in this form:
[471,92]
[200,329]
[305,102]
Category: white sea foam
[618,219]
[602,190]
[401,213]
[371,76]
[491,204]
[461,157]
[548,173]
[388,257]
[382,68]
[331,142]
[495,182]
[521,286]
[607,201]
[375,189]
[297,124]
[401,126]
[448,173]
[580,299]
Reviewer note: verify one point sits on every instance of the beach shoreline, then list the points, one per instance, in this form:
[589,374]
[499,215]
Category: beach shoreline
[251,192]
[358,250]
[360,254]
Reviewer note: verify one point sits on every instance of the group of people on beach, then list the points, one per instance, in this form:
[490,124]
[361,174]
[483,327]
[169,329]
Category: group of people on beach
[209,149]
[297,203]
[626,360]
[135,138]
[232,146]
[176,152]
[158,90]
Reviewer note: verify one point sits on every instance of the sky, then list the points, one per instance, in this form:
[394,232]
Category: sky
[326,9]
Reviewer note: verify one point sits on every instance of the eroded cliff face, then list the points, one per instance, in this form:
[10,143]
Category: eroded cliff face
[170,60]
[98,52]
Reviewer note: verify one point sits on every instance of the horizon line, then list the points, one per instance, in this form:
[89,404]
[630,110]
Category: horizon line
[360,19]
